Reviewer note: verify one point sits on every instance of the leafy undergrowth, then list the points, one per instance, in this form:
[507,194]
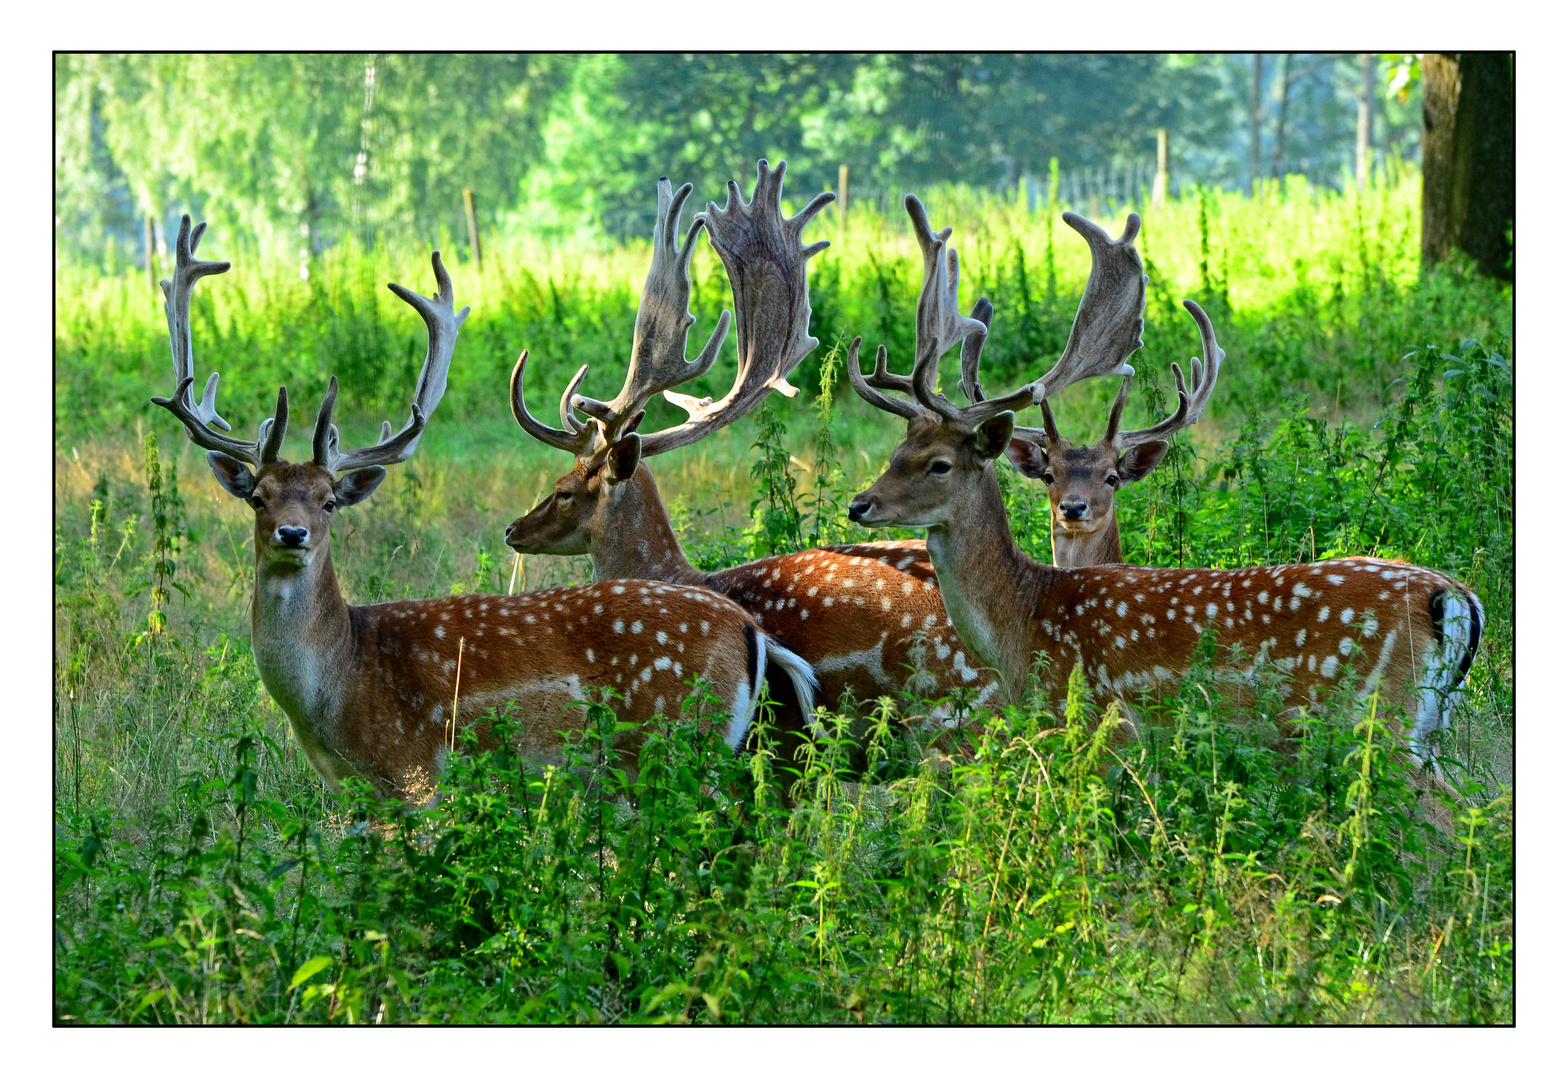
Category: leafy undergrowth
[1029,868]
[1043,873]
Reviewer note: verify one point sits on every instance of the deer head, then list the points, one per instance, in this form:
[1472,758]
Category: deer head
[1082,481]
[766,265]
[294,502]
[934,475]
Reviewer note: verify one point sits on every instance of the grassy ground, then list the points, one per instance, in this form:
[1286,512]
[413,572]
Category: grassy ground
[204,874]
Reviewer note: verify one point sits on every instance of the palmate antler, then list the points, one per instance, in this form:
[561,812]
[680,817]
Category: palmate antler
[766,265]
[1191,398]
[1099,344]
[938,327]
[441,321]
[1107,329]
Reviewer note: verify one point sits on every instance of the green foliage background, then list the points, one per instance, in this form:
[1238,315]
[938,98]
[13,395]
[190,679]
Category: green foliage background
[294,154]
[1026,869]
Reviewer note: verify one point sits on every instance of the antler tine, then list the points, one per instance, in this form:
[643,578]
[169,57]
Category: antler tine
[766,265]
[1191,401]
[569,419]
[857,379]
[658,360]
[974,345]
[1109,325]
[884,379]
[197,415]
[442,324]
[1213,356]
[581,441]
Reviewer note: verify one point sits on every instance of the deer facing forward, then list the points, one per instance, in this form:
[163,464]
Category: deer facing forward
[379,691]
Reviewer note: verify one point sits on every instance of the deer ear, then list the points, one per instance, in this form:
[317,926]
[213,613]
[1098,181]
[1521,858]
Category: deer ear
[235,476]
[624,456]
[1027,458]
[356,486]
[1140,461]
[992,436]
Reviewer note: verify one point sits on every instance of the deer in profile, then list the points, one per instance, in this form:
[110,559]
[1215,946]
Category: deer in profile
[856,612]
[379,691]
[1082,481]
[1408,630]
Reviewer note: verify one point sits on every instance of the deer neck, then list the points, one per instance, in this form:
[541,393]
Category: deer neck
[989,586]
[1069,549]
[641,542]
[303,640]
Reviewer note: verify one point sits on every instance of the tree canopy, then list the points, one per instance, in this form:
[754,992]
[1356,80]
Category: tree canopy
[307,150]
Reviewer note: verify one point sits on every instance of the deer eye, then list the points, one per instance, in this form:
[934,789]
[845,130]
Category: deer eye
[1049,479]
[255,500]
[332,504]
[940,468]
[564,496]
[1111,479]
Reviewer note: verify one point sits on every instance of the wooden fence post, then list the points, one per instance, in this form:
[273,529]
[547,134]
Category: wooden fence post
[1161,177]
[473,227]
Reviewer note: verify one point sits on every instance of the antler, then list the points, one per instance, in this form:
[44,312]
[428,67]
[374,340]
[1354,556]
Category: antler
[659,338]
[1191,401]
[938,327]
[766,264]
[1109,325]
[442,325]
[1107,329]
[579,438]
[188,270]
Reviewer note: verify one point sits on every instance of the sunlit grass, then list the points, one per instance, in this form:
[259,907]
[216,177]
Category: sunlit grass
[1200,877]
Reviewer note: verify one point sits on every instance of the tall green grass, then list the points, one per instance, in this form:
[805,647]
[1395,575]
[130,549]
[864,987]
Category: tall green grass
[1311,292]
[1033,871]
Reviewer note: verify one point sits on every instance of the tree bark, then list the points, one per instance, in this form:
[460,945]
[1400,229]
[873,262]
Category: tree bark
[1467,159]
[1364,106]
[1284,111]
[1257,119]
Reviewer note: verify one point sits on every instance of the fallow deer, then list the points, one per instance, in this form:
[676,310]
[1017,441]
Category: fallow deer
[1082,481]
[378,691]
[852,611]
[1409,630]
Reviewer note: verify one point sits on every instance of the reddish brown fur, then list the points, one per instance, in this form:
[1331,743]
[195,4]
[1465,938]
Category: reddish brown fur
[369,689]
[1086,477]
[857,613]
[1136,627]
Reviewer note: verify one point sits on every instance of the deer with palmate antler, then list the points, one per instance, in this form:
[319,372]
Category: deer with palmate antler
[1411,631]
[858,613]
[379,691]
[1082,481]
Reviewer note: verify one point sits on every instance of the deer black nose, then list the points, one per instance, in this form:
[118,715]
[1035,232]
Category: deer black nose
[859,509]
[1072,511]
[291,537]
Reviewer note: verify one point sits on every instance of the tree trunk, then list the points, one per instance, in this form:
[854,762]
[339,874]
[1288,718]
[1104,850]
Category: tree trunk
[1257,119]
[1284,111]
[1467,158]
[1364,108]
